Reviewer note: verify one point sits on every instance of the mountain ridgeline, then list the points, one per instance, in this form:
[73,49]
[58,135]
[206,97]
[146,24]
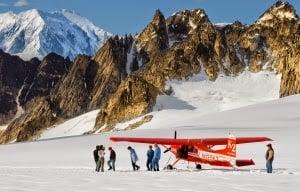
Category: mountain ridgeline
[126,74]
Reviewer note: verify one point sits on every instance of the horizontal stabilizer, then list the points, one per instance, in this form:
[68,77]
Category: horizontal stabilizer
[244,162]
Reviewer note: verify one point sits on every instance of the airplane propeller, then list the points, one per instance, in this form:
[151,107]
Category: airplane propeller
[167,150]
[175,137]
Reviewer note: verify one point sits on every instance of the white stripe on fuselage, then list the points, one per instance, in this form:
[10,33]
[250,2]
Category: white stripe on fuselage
[212,156]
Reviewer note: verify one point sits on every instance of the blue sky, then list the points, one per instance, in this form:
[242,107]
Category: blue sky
[131,16]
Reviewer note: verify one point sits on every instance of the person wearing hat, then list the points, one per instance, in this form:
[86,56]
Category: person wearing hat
[150,155]
[134,158]
[269,158]
[112,159]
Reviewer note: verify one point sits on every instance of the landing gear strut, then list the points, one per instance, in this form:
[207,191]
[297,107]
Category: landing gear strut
[171,166]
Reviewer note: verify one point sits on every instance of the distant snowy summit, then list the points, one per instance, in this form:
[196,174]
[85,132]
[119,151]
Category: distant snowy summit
[34,33]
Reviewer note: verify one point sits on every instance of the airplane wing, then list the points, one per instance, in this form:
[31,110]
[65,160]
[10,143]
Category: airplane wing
[205,141]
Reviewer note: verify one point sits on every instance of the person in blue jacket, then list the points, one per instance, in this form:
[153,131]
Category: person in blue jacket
[156,158]
[150,155]
[134,158]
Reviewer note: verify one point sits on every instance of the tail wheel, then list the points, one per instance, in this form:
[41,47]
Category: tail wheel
[198,166]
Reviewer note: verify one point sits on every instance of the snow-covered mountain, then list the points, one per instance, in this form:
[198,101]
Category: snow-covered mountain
[35,33]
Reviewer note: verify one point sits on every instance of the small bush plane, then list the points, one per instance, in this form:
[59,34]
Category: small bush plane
[201,151]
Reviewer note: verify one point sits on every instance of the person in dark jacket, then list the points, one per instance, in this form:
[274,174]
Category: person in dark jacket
[112,159]
[150,154]
[96,156]
[134,158]
[269,158]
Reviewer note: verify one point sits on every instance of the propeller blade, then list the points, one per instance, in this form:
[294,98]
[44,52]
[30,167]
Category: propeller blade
[167,150]
[175,135]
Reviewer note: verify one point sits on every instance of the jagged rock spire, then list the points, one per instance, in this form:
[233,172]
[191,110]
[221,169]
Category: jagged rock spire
[155,35]
[278,12]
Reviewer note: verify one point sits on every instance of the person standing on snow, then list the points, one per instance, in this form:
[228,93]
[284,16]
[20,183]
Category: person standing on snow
[96,156]
[100,164]
[150,154]
[134,158]
[269,158]
[156,158]
[112,159]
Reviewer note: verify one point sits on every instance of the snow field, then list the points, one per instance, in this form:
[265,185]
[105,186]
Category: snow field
[198,96]
[66,164]
[190,99]
[76,126]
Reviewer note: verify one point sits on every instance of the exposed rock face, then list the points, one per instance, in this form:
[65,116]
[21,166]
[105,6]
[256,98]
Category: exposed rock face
[72,95]
[91,81]
[110,69]
[280,27]
[195,44]
[22,81]
[183,23]
[290,80]
[126,75]
[21,84]
[154,37]
[14,72]
[50,71]
[134,97]
[61,89]
[28,126]
[145,119]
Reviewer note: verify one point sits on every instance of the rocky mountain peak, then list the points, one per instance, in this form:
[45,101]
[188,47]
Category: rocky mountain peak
[280,11]
[158,17]
[186,22]
[155,36]
[55,64]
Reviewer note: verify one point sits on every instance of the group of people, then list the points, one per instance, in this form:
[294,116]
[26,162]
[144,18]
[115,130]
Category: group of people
[99,154]
[153,157]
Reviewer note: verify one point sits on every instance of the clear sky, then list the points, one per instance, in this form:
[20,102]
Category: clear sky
[131,16]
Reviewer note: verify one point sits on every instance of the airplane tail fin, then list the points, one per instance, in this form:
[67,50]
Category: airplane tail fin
[230,149]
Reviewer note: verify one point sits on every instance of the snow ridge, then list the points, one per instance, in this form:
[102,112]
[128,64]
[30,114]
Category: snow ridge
[34,33]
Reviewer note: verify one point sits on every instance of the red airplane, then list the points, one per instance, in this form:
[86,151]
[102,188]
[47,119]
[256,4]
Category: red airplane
[201,151]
